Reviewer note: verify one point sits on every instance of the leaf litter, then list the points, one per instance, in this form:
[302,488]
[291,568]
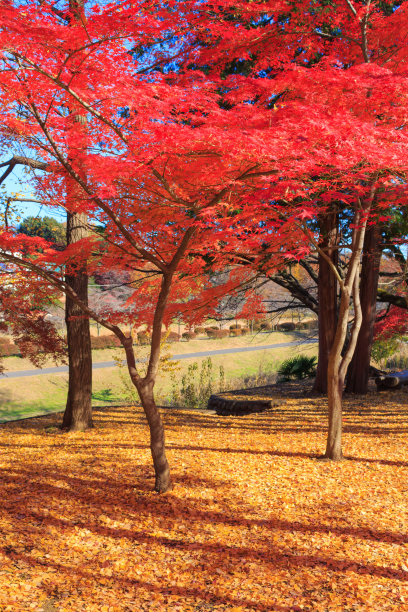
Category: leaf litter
[255,521]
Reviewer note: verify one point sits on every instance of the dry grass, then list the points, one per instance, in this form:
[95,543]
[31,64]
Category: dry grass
[36,395]
[255,521]
[200,344]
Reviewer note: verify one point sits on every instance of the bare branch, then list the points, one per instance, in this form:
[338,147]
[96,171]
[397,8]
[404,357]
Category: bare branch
[352,8]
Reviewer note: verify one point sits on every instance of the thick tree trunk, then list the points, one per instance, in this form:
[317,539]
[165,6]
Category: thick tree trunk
[358,373]
[327,299]
[157,443]
[78,411]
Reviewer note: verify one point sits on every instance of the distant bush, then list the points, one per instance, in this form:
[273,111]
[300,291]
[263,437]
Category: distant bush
[301,325]
[286,326]
[298,367]
[235,326]
[220,333]
[104,342]
[173,337]
[234,332]
[311,324]
[189,335]
[265,326]
[245,331]
[199,330]
[8,348]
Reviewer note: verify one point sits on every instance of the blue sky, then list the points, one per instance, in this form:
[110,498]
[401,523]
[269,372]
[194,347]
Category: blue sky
[17,183]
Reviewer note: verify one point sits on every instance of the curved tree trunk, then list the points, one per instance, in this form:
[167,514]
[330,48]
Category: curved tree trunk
[157,442]
[78,411]
[358,373]
[327,298]
[334,435]
[340,356]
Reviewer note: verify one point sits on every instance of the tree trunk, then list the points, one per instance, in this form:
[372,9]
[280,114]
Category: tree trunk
[358,374]
[327,299]
[78,411]
[157,444]
[334,435]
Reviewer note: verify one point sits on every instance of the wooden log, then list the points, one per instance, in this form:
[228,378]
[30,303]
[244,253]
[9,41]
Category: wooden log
[395,380]
[225,406]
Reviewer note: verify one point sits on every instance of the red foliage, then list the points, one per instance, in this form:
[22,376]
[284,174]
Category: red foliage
[395,323]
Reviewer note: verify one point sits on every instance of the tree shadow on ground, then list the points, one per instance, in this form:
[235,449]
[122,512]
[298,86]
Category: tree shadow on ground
[97,478]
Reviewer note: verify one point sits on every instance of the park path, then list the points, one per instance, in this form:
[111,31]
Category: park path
[111,364]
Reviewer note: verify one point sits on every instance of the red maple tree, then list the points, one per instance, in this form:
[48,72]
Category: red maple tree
[177,165]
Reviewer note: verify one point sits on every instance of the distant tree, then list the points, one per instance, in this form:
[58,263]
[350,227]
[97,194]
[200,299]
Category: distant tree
[44,227]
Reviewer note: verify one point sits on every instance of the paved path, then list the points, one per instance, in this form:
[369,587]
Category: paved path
[112,364]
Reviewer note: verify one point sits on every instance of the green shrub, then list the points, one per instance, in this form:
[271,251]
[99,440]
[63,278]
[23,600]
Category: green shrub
[383,349]
[398,361]
[298,367]
[197,385]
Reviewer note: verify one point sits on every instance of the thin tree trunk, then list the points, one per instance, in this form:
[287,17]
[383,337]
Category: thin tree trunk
[358,373]
[334,435]
[327,298]
[339,359]
[157,442]
[335,382]
[78,411]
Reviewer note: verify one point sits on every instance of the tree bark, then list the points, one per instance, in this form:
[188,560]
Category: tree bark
[334,434]
[78,411]
[335,382]
[358,373]
[339,359]
[157,442]
[327,298]
[145,388]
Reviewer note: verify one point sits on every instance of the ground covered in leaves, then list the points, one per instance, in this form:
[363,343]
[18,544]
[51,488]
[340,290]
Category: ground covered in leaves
[255,522]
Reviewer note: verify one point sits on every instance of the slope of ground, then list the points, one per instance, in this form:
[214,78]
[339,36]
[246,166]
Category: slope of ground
[255,521]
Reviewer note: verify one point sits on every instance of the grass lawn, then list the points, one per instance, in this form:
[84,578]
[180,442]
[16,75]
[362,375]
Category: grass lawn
[192,346]
[255,521]
[35,395]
